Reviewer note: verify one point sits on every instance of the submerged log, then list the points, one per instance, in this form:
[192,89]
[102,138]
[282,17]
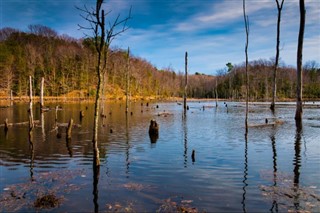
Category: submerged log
[267,123]
[20,123]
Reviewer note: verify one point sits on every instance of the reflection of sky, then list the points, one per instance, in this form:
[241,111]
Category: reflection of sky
[216,136]
[161,31]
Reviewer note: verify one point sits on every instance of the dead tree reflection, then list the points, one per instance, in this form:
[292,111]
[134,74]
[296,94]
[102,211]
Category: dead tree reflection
[245,174]
[69,146]
[31,148]
[127,146]
[31,127]
[297,164]
[274,207]
[43,127]
[185,138]
[95,192]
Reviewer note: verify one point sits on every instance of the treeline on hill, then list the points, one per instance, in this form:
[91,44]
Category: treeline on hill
[68,65]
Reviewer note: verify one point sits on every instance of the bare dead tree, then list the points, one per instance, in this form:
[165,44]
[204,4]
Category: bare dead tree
[103,37]
[127,80]
[274,91]
[185,82]
[41,95]
[31,122]
[298,116]
[246,24]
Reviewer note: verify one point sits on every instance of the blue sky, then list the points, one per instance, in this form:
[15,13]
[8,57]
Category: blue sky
[212,31]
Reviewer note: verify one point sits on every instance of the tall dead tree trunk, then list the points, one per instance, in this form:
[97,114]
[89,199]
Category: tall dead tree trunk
[216,92]
[11,98]
[185,82]
[274,90]
[127,80]
[41,94]
[103,38]
[31,123]
[298,116]
[246,23]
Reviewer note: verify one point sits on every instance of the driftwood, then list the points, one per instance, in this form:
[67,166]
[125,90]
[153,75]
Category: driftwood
[164,114]
[275,123]
[20,123]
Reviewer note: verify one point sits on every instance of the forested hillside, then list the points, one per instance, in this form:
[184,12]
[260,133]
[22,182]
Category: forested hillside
[68,65]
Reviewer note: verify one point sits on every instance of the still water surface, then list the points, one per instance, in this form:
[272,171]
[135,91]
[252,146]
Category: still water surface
[274,168]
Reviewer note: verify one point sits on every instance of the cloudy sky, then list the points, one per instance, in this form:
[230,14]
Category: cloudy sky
[161,31]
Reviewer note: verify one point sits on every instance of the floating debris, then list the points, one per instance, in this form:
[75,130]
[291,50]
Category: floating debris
[46,190]
[286,193]
[174,206]
[47,201]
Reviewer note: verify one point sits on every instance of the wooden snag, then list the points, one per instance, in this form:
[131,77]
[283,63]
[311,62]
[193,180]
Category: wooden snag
[69,129]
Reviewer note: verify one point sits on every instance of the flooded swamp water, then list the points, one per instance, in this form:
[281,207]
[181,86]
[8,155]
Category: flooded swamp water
[275,168]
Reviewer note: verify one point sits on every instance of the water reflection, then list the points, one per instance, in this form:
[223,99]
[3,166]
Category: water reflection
[95,192]
[43,127]
[245,173]
[297,164]
[69,146]
[127,146]
[185,139]
[274,207]
[31,147]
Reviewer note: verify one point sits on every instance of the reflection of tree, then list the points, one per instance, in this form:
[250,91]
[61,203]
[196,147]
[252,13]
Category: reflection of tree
[128,146]
[245,174]
[185,138]
[274,157]
[297,164]
[31,154]
[69,147]
[31,127]
[42,127]
[96,174]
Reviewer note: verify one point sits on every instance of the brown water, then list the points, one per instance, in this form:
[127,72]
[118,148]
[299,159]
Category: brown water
[276,168]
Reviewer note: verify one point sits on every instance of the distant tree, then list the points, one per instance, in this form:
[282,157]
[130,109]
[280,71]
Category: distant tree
[298,116]
[274,90]
[6,32]
[42,30]
[230,66]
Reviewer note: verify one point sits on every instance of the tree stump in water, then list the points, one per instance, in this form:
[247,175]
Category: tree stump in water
[153,131]
[69,129]
[6,125]
[81,115]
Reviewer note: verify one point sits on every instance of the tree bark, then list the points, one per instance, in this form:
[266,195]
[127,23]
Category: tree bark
[69,130]
[31,123]
[246,22]
[298,115]
[11,98]
[274,91]
[185,83]
[41,94]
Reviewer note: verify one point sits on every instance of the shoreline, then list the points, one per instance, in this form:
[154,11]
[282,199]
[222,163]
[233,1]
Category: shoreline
[5,100]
